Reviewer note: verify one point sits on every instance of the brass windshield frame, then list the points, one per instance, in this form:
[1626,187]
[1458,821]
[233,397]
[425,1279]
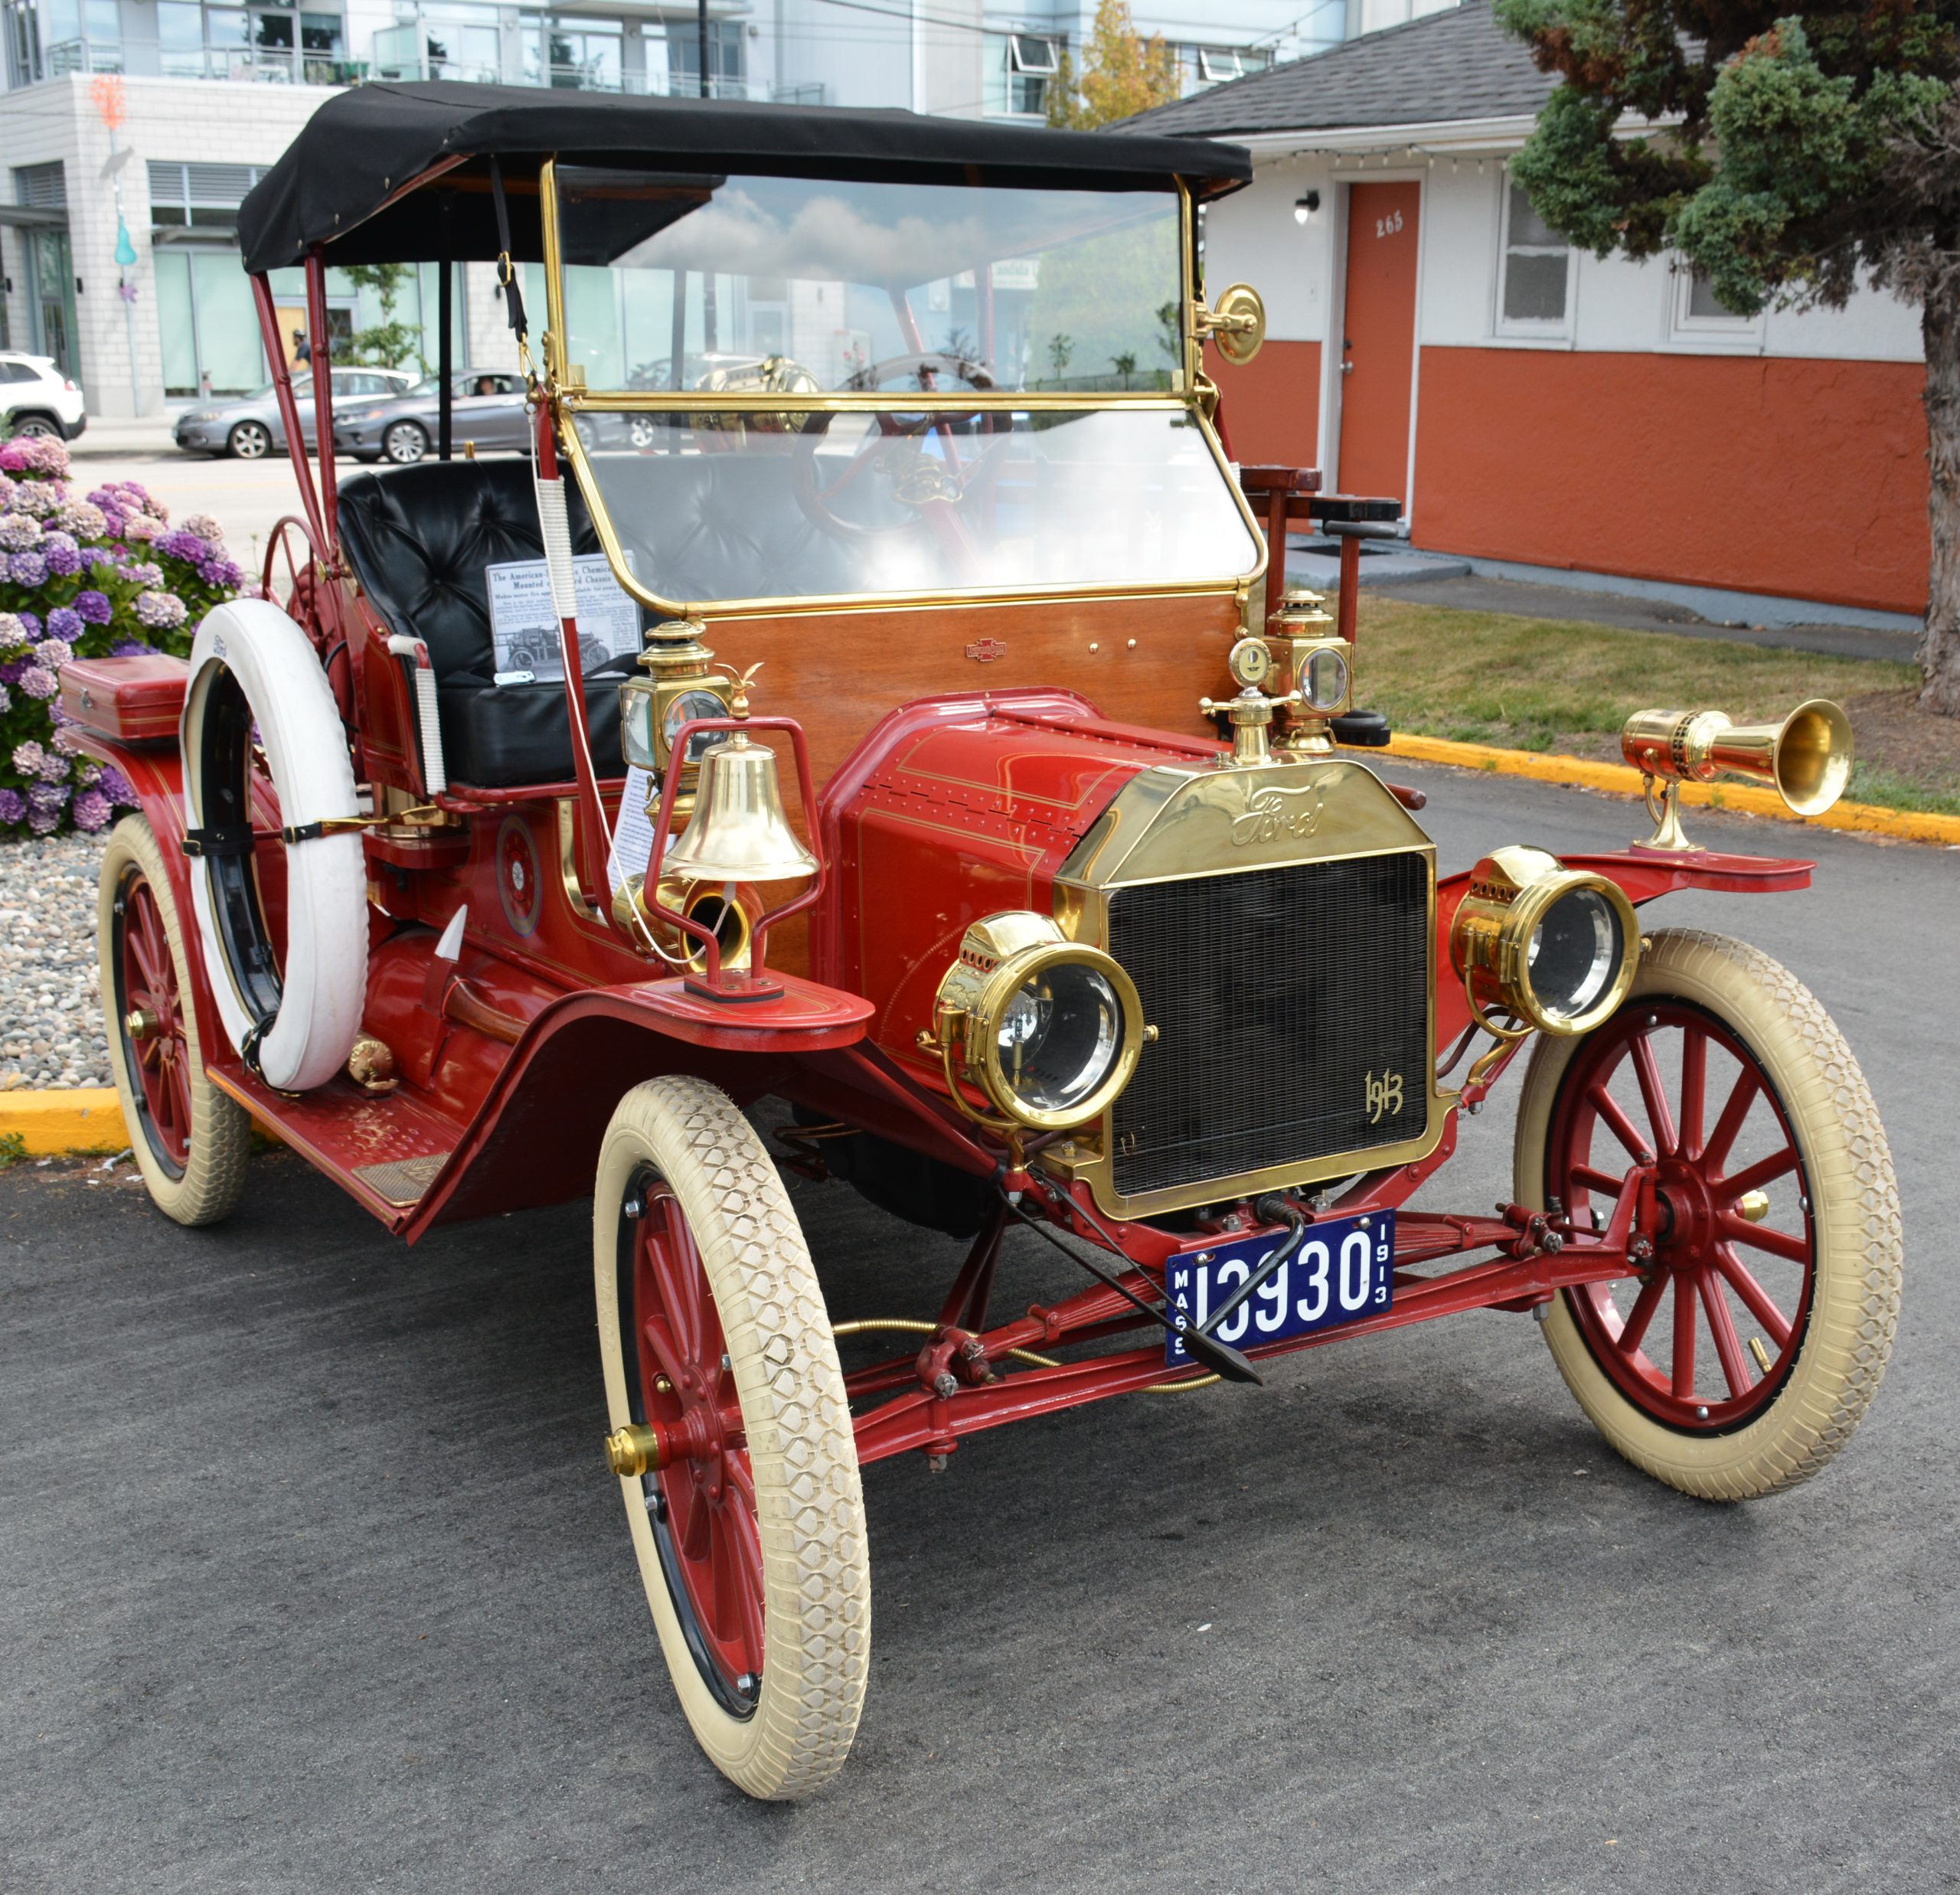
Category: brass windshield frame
[568,403]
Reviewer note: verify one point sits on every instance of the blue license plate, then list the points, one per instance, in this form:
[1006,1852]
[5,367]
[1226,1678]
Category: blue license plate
[1345,1270]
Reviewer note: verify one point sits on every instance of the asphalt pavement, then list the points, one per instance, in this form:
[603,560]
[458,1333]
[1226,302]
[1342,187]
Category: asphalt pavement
[310,1579]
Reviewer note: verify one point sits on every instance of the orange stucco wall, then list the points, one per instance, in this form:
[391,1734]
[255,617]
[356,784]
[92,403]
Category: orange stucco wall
[1271,406]
[1802,477]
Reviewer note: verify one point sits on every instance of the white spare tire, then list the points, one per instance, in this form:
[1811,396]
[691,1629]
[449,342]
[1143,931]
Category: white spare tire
[254,677]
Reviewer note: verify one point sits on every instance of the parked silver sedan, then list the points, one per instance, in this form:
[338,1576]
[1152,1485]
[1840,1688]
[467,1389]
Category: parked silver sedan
[251,427]
[487,411]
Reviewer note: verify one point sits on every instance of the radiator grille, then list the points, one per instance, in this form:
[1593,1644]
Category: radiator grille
[1277,995]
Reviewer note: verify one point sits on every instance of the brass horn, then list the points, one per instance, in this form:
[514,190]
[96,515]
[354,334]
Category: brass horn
[1807,757]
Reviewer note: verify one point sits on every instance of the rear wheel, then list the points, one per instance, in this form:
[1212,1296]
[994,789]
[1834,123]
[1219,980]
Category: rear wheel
[1747,1351]
[750,1532]
[405,442]
[190,1141]
[249,441]
[35,427]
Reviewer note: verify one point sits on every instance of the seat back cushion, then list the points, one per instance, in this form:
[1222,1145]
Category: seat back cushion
[421,539]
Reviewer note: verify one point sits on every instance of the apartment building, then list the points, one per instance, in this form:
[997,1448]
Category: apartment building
[117,253]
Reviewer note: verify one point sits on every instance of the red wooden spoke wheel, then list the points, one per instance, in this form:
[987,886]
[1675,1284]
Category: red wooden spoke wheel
[150,1017]
[733,1437]
[1667,1096]
[703,1510]
[190,1141]
[1742,1346]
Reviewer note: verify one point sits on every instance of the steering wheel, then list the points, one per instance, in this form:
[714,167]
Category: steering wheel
[917,480]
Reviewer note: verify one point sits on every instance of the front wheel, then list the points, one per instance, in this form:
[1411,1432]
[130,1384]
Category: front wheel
[249,441]
[1748,1350]
[405,442]
[714,1340]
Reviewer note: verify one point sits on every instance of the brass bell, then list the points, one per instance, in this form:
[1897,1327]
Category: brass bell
[739,831]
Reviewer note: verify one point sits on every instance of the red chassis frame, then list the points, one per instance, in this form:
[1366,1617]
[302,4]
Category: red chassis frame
[519,1053]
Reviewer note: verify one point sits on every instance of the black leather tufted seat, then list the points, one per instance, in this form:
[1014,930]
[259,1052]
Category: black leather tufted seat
[420,539]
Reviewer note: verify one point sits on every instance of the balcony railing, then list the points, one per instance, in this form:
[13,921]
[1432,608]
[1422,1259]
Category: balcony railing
[265,66]
[257,65]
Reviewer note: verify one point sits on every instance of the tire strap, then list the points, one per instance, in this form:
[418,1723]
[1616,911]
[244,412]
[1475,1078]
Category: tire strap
[218,840]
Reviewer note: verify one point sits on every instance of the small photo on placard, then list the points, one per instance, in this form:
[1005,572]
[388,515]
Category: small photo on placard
[524,626]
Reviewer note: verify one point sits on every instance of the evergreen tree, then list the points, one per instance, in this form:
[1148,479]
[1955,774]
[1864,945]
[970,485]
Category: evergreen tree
[1786,153]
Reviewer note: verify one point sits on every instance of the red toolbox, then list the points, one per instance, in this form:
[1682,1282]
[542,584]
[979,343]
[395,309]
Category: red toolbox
[134,699]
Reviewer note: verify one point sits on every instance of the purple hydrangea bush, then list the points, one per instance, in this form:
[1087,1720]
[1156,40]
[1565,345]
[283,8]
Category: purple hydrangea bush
[105,574]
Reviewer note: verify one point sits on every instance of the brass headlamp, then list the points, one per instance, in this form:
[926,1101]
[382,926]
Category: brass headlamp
[1554,948]
[1047,1028]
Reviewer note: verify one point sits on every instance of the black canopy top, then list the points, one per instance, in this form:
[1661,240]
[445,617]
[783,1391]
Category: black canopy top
[363,146]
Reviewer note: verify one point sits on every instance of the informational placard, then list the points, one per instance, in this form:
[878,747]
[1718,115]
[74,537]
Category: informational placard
[524,625]
[633,834]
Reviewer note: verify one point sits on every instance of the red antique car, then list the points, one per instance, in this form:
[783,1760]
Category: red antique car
[1055,891]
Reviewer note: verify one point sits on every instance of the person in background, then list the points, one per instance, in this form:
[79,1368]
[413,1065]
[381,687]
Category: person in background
[302,350]
[486,385]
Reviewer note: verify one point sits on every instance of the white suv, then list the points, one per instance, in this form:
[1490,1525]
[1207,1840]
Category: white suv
[37,398]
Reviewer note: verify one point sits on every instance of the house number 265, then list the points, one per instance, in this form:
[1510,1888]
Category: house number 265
[1389,225]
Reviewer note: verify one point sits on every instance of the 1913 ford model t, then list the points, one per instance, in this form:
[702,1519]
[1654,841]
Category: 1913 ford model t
[914,414]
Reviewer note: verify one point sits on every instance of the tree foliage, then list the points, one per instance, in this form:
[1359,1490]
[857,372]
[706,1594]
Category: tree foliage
[390,343]
[1776,166]
[1786,153]
[1122,73]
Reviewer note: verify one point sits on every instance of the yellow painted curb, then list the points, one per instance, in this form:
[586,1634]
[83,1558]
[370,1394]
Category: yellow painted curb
[87,1119]
[1619,779]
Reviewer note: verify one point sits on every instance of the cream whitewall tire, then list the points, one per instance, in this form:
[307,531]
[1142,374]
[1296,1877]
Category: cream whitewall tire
[1780,1220]
[751,1544]
[190,1141]
[294,1020]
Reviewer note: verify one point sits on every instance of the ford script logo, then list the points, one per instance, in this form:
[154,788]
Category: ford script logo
[1271,813]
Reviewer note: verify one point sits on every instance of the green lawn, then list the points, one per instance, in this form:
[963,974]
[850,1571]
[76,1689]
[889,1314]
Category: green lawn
[1548,684]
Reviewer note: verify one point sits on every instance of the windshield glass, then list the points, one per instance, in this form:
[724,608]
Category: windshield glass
[809,285]
[709,508]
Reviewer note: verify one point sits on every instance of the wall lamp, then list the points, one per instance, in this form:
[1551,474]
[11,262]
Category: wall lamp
[1304,208]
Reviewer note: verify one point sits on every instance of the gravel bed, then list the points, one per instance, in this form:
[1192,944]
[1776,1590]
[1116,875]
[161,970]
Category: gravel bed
[51,1010]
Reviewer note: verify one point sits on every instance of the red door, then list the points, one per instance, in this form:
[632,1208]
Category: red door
[1378,345]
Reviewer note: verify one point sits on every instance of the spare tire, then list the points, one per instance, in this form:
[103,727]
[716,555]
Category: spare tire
[254,677]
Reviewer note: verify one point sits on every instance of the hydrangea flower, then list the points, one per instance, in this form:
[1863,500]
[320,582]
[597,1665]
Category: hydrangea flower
[148,573]
[28,758]
[48,796]
[223,574]
[30,624]
[204,527]
[43,821]
[91,608]
[92,811]
[54,653]
[142,526]
[38,681]
[37,497]
[12,632]
[18,532]
[115,785]
[29,569]
[129,648]
[8,490]
[159,611]
[34,454]
[64,562]
[54,768]
[85,521]
[64,622]
[13,805]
